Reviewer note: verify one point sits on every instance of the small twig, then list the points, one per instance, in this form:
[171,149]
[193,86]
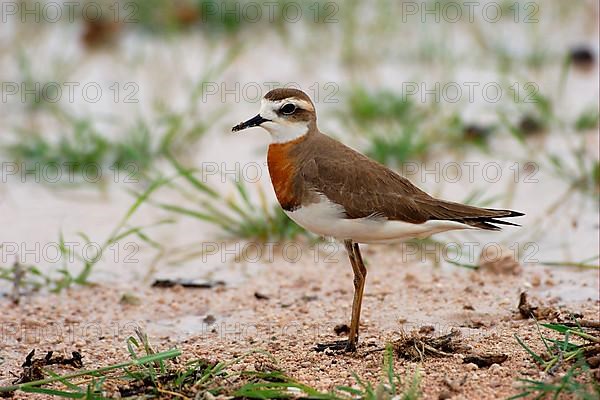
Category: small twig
[436,351]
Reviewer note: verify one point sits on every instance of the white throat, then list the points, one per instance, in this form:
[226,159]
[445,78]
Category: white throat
[281,130]
[282,133]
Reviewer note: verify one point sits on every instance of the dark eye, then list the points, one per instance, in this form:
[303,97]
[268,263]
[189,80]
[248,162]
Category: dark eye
[288,109]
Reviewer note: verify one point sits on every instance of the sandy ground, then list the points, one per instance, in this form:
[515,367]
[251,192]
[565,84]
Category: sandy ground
[309,299]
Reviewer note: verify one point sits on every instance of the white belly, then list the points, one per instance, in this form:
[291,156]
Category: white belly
[326,219]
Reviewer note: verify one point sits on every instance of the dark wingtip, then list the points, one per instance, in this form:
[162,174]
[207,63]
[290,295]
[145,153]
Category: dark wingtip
[487,222]
[501,222]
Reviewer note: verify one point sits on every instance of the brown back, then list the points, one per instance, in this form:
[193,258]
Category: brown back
[366,188]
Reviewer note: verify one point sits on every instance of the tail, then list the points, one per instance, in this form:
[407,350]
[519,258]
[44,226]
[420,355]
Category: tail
[487,223]
[482,218]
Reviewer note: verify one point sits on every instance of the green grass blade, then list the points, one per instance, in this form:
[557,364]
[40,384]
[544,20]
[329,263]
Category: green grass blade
[536,357]
[187,174]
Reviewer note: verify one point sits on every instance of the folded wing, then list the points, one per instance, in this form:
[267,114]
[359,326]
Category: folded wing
[365,188]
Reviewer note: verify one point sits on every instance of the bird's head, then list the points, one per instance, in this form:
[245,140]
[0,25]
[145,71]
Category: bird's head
[286,114]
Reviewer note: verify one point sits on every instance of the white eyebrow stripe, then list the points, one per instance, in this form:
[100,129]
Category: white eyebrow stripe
[304,104]
[294,100]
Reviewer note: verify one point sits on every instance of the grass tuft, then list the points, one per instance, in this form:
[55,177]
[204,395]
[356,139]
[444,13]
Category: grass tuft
[562,354]
[588,119]
[33,278]
[83,154]
[399,130]
[391,123]
[237,215]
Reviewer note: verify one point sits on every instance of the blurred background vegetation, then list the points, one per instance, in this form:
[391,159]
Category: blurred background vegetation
[132,101]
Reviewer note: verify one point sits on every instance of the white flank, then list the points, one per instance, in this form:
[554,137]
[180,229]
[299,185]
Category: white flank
[327,219]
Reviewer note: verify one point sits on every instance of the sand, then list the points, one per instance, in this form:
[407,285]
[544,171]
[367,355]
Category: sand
[308,300]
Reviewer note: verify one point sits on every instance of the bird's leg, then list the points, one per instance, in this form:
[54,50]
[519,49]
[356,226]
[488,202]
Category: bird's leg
[360,273]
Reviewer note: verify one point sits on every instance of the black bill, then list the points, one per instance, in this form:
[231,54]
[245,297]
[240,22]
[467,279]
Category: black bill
[254,121]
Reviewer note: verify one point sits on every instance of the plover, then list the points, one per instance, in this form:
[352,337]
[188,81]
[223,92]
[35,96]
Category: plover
[335,191]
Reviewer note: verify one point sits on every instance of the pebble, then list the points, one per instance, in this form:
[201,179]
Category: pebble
[495,368]
[594,361]
[471,367]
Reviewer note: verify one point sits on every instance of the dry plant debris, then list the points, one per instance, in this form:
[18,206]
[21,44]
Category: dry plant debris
[192,284]
[548,313]
[417,346]
[420,344]
[260,296]
[32,367]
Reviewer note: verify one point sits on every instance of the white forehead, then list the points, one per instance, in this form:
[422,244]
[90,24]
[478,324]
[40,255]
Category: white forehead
[268,107]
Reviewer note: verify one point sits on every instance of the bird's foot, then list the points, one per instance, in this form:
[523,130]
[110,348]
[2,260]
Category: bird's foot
[339,346]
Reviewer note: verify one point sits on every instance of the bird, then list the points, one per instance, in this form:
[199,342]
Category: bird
[335,191]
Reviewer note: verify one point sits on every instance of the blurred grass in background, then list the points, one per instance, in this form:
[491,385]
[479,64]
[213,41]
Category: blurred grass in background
[388,124]
[364,46]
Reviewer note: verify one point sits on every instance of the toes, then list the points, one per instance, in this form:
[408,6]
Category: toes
[340,346]
[350,347]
